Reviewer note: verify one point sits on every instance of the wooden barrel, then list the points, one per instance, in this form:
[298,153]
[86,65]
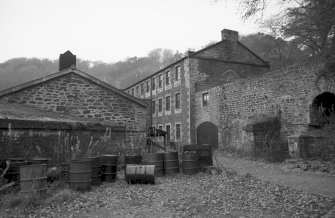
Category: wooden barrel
[171,163]
[96,169]
[109,167]
[132,159]
[205,154]
[65,172]
[39,161]
[80,175]
[156,159]
[33,178]
[190,164]
[143,174]
[13,172]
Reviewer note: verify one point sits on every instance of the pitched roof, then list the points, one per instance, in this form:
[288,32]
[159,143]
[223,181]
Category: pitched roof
[194,55]
[78,72]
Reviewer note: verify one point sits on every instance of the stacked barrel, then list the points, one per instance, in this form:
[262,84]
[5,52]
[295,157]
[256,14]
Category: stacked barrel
[95,169]
[109,167]
[171,163]
[156,159]
[80,175]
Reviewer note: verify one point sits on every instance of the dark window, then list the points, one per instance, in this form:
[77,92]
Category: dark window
[167,78]
[160,127]
[148,86]
[177,101]
[132,91]
[177,73]
[153,83]
[137,90]
[205,98]
[142,88]
[167,103]
[160,81]
[160,105]
[178,132]
[153,106]
[168,130]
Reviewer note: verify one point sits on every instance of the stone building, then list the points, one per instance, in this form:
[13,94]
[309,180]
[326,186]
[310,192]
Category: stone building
[75,93]
[177,89]
[28,132]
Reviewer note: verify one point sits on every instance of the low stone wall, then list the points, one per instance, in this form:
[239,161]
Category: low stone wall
[308,146]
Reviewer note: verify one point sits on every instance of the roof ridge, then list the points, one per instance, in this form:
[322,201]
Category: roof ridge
[78,72]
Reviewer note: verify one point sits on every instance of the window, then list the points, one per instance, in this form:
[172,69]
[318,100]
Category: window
[132,91]
[168,131]
[167,78]
[160,105]
[205,98]
[177,106]
[153,83]
[153,106]
[148,86]
[137,90]
[177,73]
[142,88]
[160,127]
[167,103]
[178,131]
[160,81]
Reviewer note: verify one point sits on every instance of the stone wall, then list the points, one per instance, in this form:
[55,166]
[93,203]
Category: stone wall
[78,96]
[173,117]
[287,95]
[207,77]
[232,51]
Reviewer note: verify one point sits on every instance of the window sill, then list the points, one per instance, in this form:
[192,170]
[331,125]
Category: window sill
[168,87]
[177,111]
[176,83]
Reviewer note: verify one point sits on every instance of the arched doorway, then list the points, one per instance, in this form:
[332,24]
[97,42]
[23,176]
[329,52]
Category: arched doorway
[207,133]
[322,110]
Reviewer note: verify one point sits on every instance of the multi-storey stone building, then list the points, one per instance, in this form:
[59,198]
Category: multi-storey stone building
[173,89]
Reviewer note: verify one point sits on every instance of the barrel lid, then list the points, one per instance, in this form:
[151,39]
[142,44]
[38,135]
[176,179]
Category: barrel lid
[33,165]
[80,161]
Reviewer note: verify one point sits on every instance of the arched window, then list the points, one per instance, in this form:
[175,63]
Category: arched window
[322,111]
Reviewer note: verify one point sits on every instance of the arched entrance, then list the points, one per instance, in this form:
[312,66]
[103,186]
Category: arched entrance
[322,110]
[207,133]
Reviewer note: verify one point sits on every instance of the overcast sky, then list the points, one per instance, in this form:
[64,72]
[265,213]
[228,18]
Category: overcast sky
[111,30]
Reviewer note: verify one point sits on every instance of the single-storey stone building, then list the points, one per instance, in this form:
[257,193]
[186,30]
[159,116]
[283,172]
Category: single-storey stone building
[73,92]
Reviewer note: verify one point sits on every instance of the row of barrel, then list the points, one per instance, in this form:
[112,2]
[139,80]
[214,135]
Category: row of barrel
[82,174]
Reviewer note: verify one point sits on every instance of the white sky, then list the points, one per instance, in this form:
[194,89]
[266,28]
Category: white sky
[111,30]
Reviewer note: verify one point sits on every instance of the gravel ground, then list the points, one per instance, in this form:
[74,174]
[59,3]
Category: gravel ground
[203,195]
[314,182]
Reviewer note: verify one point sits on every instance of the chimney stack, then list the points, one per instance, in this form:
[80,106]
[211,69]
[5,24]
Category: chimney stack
[67,60]
[230,35]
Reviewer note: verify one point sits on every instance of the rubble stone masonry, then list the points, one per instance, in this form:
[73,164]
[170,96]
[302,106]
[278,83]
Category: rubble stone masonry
[79,96]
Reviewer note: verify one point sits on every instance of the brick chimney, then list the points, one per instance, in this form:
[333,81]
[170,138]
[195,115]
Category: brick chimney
[230,35]
[67,60]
